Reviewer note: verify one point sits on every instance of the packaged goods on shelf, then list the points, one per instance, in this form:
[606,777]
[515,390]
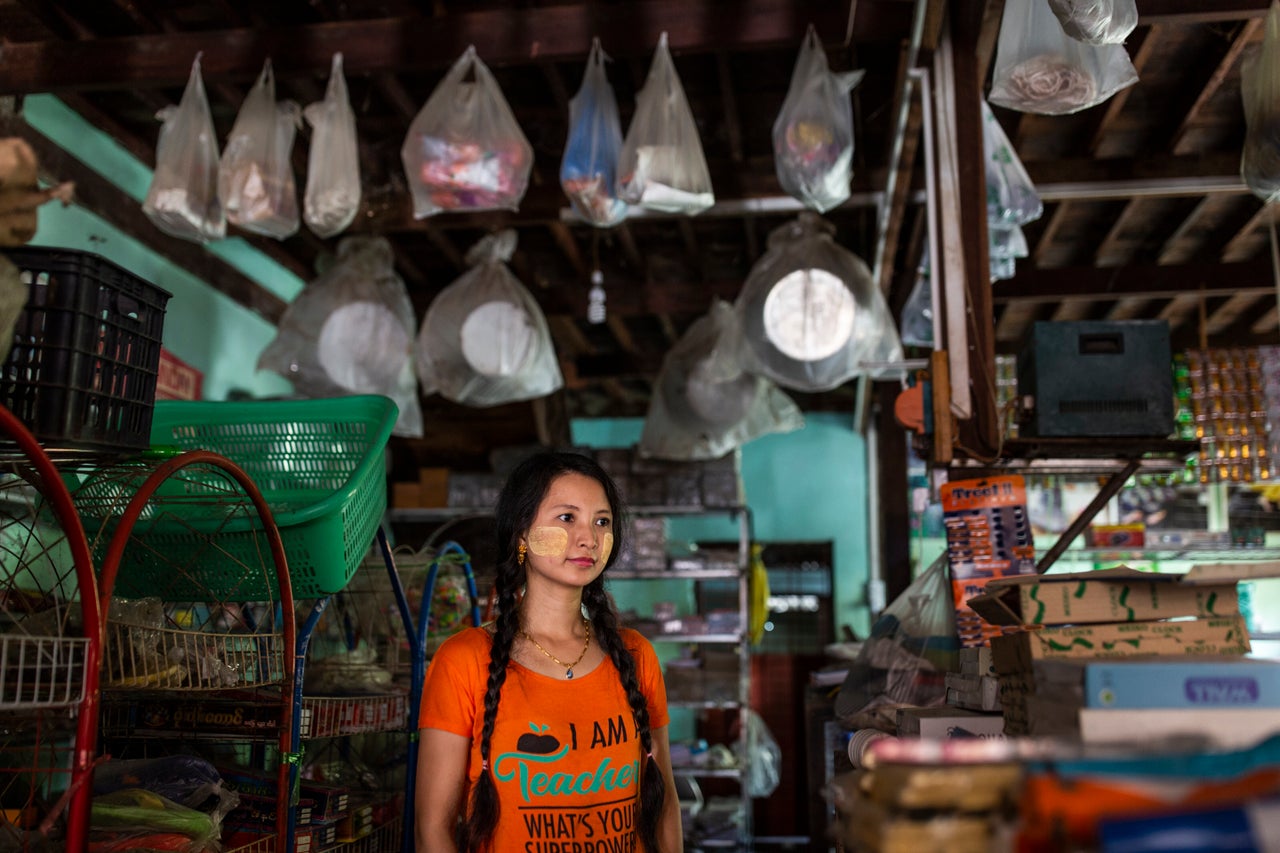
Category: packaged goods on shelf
[943,723]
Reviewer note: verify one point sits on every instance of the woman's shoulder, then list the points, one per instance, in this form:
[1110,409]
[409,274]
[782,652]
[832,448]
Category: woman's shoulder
[635,642]
[468,643]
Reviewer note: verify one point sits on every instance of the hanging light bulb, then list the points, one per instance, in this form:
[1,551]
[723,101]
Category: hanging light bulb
[595,298]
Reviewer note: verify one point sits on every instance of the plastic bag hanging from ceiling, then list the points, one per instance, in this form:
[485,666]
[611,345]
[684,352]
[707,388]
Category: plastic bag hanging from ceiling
[703,403]
[1040,69]
[810,313]
[350,331]
[1096,21]
[484,340]
[589,170]
[183,200]
[464,149]
[1011,197]
[813,133]
[1260,89]
[662,166]
[255,175]
[332,196]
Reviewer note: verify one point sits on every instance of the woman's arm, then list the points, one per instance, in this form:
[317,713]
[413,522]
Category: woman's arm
[440,794]
[670,830]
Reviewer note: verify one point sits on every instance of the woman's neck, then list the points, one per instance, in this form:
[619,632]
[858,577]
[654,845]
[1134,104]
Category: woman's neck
[551,613]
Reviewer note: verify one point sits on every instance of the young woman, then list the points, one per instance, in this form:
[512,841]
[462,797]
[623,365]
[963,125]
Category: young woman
[546,730]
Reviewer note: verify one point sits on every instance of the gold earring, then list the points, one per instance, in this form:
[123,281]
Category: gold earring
[520,551]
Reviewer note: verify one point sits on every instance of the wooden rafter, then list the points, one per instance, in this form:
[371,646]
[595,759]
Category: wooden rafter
[1050,232]
[1146,280]
[1142,44]
[1230,57]
[1116,248]
[1173,250]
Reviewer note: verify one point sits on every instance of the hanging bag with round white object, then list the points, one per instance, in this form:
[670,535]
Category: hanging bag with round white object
[484,340]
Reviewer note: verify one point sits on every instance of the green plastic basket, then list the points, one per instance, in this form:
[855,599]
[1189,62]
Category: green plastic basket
[318,463]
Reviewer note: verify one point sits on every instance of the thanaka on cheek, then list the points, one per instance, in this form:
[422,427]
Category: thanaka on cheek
[606,548]
[549,541]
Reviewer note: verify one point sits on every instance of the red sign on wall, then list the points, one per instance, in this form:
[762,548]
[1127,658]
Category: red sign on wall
[177,380]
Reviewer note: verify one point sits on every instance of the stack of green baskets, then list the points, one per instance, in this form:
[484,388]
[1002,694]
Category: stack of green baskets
[318,463]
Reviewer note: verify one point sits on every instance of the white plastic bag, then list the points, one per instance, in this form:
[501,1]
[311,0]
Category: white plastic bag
[1260,89]
[484,339]
[1096,21]
[589,170]
[1011,197]
[811,315]
[703,403]
[813,133]
[332,196]
[351,332]
[464,149]
[1040,69]
[255,177]
[662,166]
[183,197]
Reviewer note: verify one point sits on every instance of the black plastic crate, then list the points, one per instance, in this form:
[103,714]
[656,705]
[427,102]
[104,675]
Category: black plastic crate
[86,349]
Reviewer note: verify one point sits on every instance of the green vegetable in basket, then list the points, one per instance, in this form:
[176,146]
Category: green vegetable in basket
[141,810]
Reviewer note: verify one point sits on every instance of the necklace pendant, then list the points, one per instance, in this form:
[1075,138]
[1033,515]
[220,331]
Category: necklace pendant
[568,673]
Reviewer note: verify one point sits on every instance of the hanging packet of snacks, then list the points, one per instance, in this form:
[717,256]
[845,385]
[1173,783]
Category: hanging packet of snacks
[464,149]
[662,166]
[813,133]
[1011,197]
[484,340]
[183,197]
[589,170]
[1096,21]
[255,177]
[332,196]
[351,332]
[1260,89]
[1040,69]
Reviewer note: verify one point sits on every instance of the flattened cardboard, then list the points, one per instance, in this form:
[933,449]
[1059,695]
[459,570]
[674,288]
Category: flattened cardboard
[1111,595]
[1226,636]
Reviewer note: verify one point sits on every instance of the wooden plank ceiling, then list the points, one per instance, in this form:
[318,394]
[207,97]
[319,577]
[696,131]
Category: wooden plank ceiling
[1145,214]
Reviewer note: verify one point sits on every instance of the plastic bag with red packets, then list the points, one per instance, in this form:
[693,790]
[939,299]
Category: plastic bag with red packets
[464,149]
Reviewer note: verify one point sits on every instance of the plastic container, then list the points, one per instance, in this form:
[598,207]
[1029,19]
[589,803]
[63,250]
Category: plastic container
[318,463]
[81,374]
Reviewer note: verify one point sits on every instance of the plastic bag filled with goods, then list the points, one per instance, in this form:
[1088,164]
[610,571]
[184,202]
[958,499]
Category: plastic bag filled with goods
[589,170]
[332,196]
[255,176]
[1096,21]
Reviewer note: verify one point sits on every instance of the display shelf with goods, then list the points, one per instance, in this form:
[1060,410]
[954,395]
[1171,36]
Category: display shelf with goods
[707,663]
[194,664]
[50,635]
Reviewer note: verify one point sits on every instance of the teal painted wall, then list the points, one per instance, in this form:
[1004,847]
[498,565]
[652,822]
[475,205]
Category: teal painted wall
[809,485]
[202,327]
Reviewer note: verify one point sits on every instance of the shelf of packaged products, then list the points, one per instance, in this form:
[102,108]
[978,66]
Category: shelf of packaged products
[673,574]
[1190,554]
[340,716]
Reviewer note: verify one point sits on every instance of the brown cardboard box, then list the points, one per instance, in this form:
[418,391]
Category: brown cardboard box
[1112,595]
[1223,636]
[406,495]
[434,486]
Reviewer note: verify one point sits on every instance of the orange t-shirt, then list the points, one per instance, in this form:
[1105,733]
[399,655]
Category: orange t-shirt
[565,755]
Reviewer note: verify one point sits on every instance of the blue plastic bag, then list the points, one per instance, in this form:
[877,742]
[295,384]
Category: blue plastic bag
[589,170]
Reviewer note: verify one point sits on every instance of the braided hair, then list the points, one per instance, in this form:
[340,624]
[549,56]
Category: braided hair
[516,509]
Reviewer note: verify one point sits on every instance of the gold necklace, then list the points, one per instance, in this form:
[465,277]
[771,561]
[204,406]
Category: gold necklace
[568,667]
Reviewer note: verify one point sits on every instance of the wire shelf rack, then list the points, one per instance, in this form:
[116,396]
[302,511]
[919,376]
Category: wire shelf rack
[149,657]
[335,716]
[41,672]
[266,844]
[383,838]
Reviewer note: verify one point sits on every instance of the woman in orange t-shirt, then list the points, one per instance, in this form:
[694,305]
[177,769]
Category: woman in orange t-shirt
[546,731]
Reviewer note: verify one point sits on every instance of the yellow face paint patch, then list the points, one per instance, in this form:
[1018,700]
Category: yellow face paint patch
[606,548]
[549,541]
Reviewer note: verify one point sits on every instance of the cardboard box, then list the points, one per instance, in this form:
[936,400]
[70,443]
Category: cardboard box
[433,487]
[1209,682]
[406,495]
[1224,636]
[1111,595]
[1225,728]
[946,723]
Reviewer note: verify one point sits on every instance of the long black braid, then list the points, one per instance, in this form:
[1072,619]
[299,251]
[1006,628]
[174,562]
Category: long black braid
[516,509]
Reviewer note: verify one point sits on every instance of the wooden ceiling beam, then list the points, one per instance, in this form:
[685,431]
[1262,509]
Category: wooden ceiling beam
[1199,12]
[1116,248]
[1175,249]
[500,36]
[1235,247]
[1146,280]
[729,103]
[1225,65]
[1142,45]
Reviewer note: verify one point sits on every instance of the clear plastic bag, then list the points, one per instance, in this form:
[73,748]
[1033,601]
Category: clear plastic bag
[484,340]
[464,149]
[255,177]
[1260,89]
[917,313]
[762,757]
[589,170]
[183,197]
[1040,69]
[351,331]
[811,314]
[704,404]
[813,133]
[662,166]
[332,196]
[1096,21]
[1011,197]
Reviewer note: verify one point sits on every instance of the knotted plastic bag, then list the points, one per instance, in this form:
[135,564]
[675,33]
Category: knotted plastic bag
[813,133]
[589,170]
[811,315]
[1096,21]
[662,165]
[704,404]
[1040,69]
[255,177]
[1260,88]
[332,196]
[484,339]
[464,149]
[351,332]
[183,197]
